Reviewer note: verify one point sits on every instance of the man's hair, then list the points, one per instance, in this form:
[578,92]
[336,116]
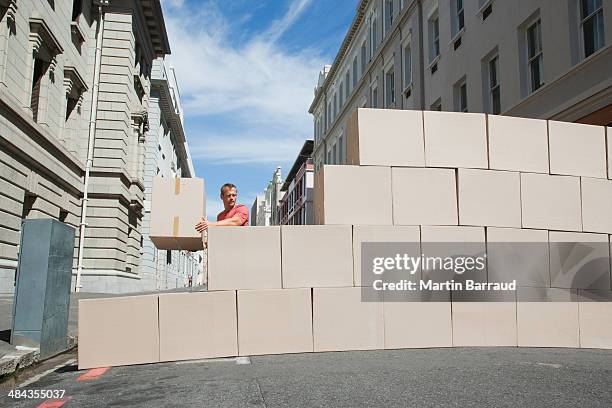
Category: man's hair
[228,185]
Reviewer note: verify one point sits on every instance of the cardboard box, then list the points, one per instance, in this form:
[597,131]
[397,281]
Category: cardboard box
[518,254]
[547,317]
[244,258]
[385,137]
[595,315]
[452,242]
[484,319]
[274,321]
[596,208]
[118,331]
[341,321]
[331,267]
[488,197]
[197,325]
[518,144]
[424,196]
[609,144]
[577,149]
[455,140]
[380,233]
[417,322]
[177,205]
[551,202]
[579,260]
[347,195]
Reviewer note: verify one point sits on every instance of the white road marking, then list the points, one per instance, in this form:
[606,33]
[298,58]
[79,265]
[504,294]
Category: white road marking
[41,375]
[237,360]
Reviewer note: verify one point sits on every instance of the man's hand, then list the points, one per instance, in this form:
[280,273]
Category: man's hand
[202,225]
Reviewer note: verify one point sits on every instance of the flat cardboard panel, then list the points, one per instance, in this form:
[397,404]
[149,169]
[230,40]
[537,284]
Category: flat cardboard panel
[483,324]
[176,207]
[197,325]
[385,137]
[579,260]
[354,195]
[595,312]
[424,196]
[274,321]
[577,149]
[341,321]
[118,331]
[544,319]
[609,144]
[518,144]
[417,324]
[379,233]
[331,267]
[596,208]
[455,140]
[551,202]
[244,258]
[489,197]
[520,254]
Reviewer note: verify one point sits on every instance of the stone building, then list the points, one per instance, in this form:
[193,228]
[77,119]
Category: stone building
[74,95]
[296,206]
[266,205]
[545,59]
[166,155]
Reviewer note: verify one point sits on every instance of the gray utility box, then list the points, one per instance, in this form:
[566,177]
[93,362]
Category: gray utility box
[42,292]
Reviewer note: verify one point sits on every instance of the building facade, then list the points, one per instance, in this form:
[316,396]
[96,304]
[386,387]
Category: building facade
[74,95]
[296,206]
[166,155]
[264,211]
[546,59]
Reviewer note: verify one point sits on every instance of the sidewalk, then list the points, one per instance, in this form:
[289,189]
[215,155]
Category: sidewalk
[14,358]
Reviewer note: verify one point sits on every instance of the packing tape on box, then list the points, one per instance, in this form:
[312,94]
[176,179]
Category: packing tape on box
[177,186]
[175,226]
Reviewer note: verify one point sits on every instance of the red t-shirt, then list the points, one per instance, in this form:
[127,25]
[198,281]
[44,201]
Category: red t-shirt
[239,210]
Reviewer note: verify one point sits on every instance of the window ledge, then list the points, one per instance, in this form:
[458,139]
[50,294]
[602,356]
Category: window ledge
[74,26]
[434,62]
[486,4]
[456,37]
[407,89]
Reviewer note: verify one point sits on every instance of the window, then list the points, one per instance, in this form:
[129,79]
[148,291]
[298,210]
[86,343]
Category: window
[329,114]
[354,72]
[407,66]
[374,97]
[334,157]
[341,96]
[460,96]
[534,55]
[335,106]
[340,151]
[40,67]
[77,9]
[363,58]
[169,257]
[592,22]
[486,8]
[389,87]
[460,15]
[494,88]
[388,15]
[437,105]
[373,40]
[434,38]
[347,81]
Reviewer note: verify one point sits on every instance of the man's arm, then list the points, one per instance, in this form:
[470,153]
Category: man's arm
[234,221]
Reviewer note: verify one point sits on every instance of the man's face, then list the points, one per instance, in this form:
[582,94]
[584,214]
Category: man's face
[229,197]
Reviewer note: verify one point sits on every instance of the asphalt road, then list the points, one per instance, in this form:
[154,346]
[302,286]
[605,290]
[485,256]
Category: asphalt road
[460,377]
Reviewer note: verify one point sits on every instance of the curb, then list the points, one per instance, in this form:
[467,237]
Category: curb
[23,357]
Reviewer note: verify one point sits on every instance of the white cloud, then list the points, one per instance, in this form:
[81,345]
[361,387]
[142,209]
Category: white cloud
[259,87]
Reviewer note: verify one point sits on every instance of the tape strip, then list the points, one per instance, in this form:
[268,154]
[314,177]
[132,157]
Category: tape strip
[177,186]
[175,226]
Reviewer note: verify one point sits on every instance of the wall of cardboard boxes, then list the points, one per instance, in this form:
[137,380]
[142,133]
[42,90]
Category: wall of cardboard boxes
[412,177]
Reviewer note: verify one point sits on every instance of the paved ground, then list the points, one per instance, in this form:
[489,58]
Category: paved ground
[463,377]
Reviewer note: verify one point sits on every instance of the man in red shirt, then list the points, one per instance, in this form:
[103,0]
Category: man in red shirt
[234,215]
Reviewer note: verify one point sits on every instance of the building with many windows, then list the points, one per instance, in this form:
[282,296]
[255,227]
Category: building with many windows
[75,81]
[296,206]
[166,155]
[264,210]
[545,59]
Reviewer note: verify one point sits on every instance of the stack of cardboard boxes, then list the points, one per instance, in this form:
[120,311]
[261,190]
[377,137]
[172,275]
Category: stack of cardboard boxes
[417,177]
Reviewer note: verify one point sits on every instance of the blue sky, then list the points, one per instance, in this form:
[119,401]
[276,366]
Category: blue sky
[246,72]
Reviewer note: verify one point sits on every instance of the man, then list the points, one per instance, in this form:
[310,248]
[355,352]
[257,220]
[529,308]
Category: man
[234,215]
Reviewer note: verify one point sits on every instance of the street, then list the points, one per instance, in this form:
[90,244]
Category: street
[460,377]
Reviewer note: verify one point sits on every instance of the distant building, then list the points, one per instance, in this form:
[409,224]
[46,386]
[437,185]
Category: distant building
[258,212]
[265,207]
[296,206]
[528,58]
[166,155]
